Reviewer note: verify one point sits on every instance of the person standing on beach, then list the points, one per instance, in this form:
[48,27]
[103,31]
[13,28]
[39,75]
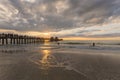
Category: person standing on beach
[58,43]
[93,44]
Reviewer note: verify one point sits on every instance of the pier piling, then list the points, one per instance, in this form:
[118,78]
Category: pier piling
[19,39]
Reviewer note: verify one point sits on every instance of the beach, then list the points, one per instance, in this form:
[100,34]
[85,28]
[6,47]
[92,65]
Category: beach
[59,39]
[50,61]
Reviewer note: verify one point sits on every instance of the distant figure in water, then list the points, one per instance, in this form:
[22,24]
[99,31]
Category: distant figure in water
[93,44]
[58,43]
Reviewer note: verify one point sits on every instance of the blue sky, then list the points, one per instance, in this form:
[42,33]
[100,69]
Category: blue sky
[64,18]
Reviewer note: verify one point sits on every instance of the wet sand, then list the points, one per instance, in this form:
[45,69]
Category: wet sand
[52,62]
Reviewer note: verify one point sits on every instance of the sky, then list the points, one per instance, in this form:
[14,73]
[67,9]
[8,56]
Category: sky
[81,19]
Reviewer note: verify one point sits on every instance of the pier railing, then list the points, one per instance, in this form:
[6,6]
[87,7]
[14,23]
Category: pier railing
[19,39]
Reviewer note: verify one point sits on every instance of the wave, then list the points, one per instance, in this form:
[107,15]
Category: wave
[75,43]
[78,43]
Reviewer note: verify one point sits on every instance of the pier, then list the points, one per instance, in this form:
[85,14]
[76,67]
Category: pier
[55,39]
[6,39]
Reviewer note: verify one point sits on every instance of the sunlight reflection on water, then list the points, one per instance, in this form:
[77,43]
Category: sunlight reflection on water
[44,60]
[45,64]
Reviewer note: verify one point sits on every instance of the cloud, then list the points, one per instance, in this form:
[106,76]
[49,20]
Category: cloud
[107,30]
[30,1]
[62,17]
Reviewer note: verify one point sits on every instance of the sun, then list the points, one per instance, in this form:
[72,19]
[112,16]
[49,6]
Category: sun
[46,34]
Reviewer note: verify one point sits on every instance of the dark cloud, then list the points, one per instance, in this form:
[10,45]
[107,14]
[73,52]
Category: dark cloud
[89,9]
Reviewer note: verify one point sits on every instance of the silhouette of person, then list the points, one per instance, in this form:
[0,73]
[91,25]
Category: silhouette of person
[93,44]
[58,43]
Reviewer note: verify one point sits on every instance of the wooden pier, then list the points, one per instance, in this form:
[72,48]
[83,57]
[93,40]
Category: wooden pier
[19,39]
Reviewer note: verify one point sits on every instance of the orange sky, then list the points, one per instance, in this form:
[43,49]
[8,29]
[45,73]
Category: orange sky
[50,34]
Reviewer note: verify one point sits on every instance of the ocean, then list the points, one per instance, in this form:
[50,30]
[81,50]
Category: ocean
[103,42]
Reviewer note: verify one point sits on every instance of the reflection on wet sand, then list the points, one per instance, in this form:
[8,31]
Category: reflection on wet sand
[45,62]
